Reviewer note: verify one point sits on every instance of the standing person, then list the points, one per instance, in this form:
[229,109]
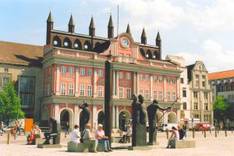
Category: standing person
[1,128]
[75,135]
[102,139]
[174,136]
[66,129]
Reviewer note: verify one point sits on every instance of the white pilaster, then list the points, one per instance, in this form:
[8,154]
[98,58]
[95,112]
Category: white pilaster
[164,88]
[76,115]
[77,81]
[151,87]
[95,117]
[117,117]
[56,113]
[94,83]
[137,84]
[57,80]
[113,117]
[114,84]
[117,84]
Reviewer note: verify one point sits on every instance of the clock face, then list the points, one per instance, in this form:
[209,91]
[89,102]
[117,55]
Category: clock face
[125,42]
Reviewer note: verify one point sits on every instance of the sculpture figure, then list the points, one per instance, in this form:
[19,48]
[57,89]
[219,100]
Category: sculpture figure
[84,116]
[152,120]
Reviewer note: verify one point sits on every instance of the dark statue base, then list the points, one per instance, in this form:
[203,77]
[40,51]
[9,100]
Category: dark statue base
[49,146]
[140,135]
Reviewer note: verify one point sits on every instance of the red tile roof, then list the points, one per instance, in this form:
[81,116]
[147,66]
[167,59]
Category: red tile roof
[20,54]
[221,75]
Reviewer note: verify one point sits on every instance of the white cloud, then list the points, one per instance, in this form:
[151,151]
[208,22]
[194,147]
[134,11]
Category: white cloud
[213,54]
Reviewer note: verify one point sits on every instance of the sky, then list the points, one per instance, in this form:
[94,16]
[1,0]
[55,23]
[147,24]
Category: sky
[195,29]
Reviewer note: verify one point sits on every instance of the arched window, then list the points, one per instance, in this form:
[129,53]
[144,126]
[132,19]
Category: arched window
[155,55]
[87,45]
[97,44]
[67,43]
[77,44]
[148,54]
[57,41]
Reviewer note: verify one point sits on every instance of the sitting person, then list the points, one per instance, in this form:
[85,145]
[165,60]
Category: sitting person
[75,135]
[86,138]
[181,133]
[35,133]
[104,140]
[127,135]
[54,132]
[174,136]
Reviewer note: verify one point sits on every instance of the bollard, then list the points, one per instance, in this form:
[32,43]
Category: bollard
[225,133]
[167,133]
[193,133]
[8,137]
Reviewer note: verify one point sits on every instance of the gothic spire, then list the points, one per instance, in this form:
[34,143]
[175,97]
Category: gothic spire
[71,26]
[92,27]
[128,29]
[143,37]
[110,28]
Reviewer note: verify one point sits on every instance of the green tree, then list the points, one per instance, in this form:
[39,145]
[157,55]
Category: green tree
[220,109]
[10,106]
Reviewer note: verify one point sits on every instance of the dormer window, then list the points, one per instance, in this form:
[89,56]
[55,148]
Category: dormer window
[55,42]
[86,46]
[76,45]
[65,44]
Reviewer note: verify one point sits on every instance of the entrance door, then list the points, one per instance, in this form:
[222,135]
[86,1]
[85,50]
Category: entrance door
[64,120]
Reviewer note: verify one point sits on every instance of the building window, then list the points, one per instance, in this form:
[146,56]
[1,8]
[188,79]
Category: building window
[197,83]
[173,96]
[160,78]
[160,95]
[195,95]
[100,91]
[121,92]
[6,70]
[184,106]
[205,95]
[90,91]
[129,93]
[129,76]
[184,93]
[63,89]
[100,73]
[206,106]
[203,83]
[196,106]
[82,71]
[89,72]
[181,80]
[63,70]
[147,77]
[196,116]
[82,90]
[121,75]
[27,91]
[70,89]
[155,95]
[168,96]
[147,94]
[206,117]
[155,78]
[4,79]
[71,70]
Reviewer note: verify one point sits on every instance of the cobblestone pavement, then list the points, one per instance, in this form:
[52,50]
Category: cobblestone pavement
[209,146]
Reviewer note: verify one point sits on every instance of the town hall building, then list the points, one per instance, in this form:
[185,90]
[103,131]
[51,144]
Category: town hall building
[74,72]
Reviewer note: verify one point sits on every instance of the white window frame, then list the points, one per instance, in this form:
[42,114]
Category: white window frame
[89,90]
[100,91]
[63,70]
[63,89]
[129,93]
[82,90]
[82,71]
[70,89]
[121,92]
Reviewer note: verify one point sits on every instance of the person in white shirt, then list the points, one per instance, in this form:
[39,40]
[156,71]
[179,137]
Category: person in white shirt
[75,135]
[174,136]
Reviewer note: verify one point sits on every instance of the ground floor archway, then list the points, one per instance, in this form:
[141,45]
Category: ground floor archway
[172,117]
[124,119]
[66,119]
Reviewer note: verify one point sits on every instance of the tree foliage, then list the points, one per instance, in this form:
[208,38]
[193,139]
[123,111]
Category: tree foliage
[10,106]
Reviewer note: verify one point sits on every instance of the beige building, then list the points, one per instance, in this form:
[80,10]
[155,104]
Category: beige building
[184,97]
[21,64]
[200,92]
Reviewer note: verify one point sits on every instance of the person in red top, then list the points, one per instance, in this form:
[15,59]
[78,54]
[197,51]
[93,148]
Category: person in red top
[104,140]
